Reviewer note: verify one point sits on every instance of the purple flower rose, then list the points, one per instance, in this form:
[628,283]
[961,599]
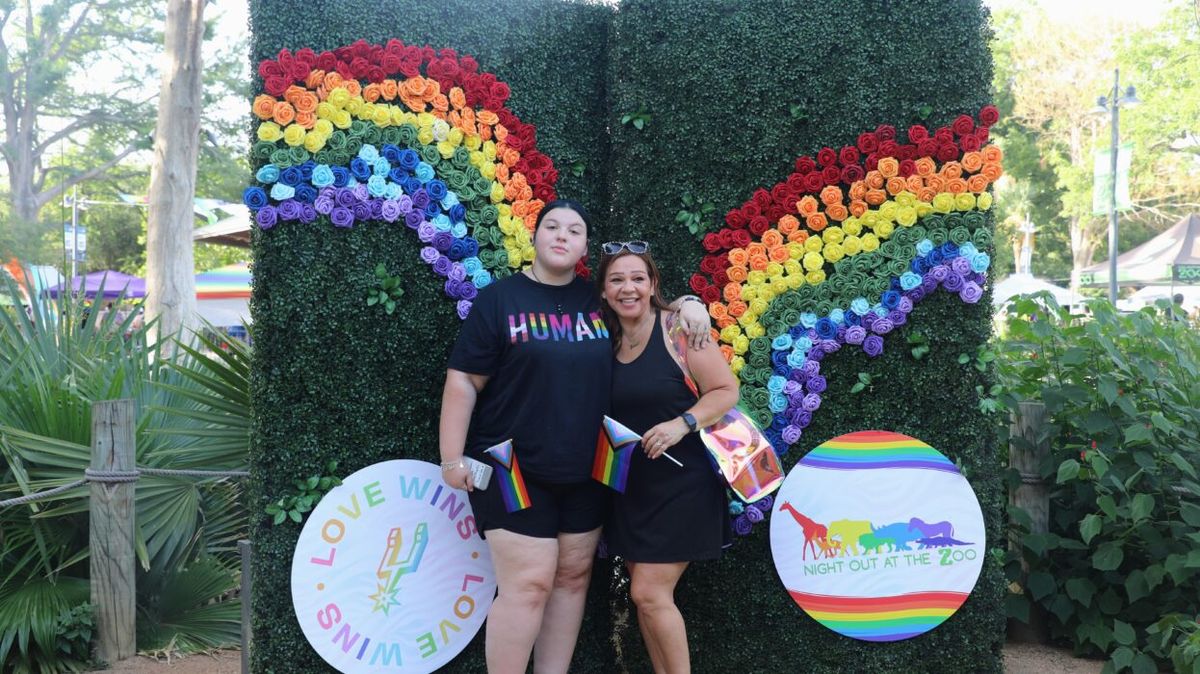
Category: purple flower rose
[425,232]
[266,217]
[376,208]
[905,306]
[429,255]
[405,203]
[346,199]
[441,266]
[413,219]
[764,504]
[800,417]
[457,272]
[390,210]
[856,334]
[917,294]
[971,292]
[939,273]
[873,345]
[469,291]
[817,384]
[953,283]
[868,321]
[811,403]
[420,199]
[361,192]
[961,266]
[362,211]
[342,217]
[816,355]
[882,326]
[791,434]
[742,526]
[289,209]
[453,289]
[754,514]
[324,204]
[307,214]
[464,308]
[979,278]
[811,368]
[443,240]
[829,345]
[897,317]
[791,387]
[928,284]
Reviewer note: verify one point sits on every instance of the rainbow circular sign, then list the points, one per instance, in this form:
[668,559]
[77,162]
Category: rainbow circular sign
[877,536]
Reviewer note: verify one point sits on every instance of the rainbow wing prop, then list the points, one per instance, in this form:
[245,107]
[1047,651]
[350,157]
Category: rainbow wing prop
[614,451]
[401,136]
[512,484]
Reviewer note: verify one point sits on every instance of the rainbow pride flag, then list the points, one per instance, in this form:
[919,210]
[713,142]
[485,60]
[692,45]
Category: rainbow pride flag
[881,618]
[512,485]
[877,449]
[614,451]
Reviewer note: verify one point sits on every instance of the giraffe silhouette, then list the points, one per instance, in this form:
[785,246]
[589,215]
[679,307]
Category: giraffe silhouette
[814,532]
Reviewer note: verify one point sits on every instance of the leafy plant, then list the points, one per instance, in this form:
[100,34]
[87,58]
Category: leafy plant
[864,382]
[919,344]
[388,293]
[696,216]
[1123,547]
[638,119]
[308,492]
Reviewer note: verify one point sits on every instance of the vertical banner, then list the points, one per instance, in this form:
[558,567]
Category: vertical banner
[1102,183]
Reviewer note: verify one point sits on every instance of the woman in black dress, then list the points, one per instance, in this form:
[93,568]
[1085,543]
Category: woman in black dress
[669,515]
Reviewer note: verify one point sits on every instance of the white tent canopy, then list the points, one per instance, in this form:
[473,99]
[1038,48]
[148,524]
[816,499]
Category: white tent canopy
[1025,284]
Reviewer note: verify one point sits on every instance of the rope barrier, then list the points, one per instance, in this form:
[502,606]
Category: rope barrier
[119,477]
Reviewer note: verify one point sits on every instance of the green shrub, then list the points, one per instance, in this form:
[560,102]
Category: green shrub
[1122,396]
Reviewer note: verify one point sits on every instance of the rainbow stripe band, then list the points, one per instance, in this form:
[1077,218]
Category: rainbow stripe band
[614,452]
[512,483]
[877,449]
[881,618]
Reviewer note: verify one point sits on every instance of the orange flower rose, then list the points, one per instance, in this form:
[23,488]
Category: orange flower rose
[487,117]
[889,167]
[896,185]
[780,254]
[858,190]
[956,186]
[926,166]
[468,117]
[314,79]
[991,153]
[283,113]
[738,256]
[371,93]
[756,248]
[502,173]
[806,206]
[414,87]
[530,220]
[737,308]
[457,98]
[798,236]
[788,224]
[389,89]
[972,162]
[501,132]
[718,311]
[306,119]
[511,157]
[832,194]
[914,183]
[858,207]
[875,180]
[926,194]
[951,170]
[291,93]
[876,197]
[935,183]
[816,222]
[332,81]
[772,238]
[737,274]
[441,103]
[306,102]
[992,171]
[977,183]
[412,102]
[264,107]
[837,212]
[732,291]
[759,262]
[485,132]
[352,87]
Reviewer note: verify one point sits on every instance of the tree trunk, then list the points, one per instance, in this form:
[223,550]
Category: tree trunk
[170,284]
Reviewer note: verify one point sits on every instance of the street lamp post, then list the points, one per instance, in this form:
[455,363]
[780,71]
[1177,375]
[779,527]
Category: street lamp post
[1114,100]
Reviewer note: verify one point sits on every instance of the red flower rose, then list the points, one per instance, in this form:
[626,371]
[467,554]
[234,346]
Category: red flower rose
[982,134]
[698,283]
[762,198]
[359,67]
[927,148]
[907,167]
[917,133]
[758,225]
[306,55]
[727,237]
[448,53]
[779,195]
[734,218]
[741,238]
[832,175]
[712,242]
[468,64]
[871,162]
[989,115]
[813,182]
[268,69]
[581,269]
[795,182]
[848,155]
[805,164]
[709,264]
[373,74]
[427,54]
[963,125]
[720,277]
[943,135]
[710,295]
[501,92]
[826,156]
[284,57]
[776,211]
[969,143]
[947,152]
[751,209]
[867,142]
[906,152]
[326,61]
[410,67]
[885,132]
[545,192]
[853,173]
[888,148]
[390,62]
[275,86]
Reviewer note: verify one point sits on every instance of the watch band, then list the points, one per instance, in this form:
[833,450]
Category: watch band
[690,420]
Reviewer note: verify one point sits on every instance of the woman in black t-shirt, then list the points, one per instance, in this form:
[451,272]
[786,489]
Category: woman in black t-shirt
[533,364]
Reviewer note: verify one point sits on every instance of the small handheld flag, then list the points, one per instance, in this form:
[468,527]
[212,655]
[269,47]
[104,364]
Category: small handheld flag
[614,450]
[512,484]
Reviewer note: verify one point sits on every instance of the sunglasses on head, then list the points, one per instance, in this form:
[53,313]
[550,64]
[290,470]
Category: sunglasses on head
[635,247]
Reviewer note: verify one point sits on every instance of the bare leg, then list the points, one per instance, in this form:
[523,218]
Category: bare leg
[653,590]
[524,576]
[564,611]
[656,654]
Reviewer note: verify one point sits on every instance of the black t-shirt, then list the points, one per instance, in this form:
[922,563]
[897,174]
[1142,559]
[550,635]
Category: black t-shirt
[548,357]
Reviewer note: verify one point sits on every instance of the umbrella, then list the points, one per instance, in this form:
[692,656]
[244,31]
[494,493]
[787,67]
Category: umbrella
[114,282]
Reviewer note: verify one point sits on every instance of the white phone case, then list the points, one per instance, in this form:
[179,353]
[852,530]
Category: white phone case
[481,473]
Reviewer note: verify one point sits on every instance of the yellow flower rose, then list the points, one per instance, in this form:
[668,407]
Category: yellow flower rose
[341,119]
[473,142]
[528,253]
[755,330]
[815,277]
[779,286]
[488,170]
[455,137]
[737,363]
[355,105]
[766,292]
[425,135]
[269,132]
[774,269]
[337,98]
[425,119]
[730,333]
[964,201]
[446,149]
[795,281]
[906,198]
[741,344]
[756,277]
[504,209]
[814,244]
[758,305]
[489,150]
[792,267]
[870,243]
[943,202]
[984,201]
[907,215]
[323,127]
[294,134]
[747,319]
[924,209]
[852,245]
[314,141]
[749,291]
[887,212]
[833,235]
[326,110]
[382,117]
[813,261]
[870,219]
[852,226]
[884,229]
[795,250]
[833,252]
[497,193]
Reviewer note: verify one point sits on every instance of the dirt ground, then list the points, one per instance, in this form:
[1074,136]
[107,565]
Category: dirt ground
[1018,659]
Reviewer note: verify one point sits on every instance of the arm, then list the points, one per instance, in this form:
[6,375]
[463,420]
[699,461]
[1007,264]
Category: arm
[718,394]
[693,317]
[458,402]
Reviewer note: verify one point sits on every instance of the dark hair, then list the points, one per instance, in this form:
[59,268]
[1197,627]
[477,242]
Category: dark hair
[1178,298]
[610,316]
[569,204]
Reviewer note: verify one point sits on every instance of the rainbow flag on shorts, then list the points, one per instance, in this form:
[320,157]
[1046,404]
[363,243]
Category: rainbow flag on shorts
[614,451]
[512,485]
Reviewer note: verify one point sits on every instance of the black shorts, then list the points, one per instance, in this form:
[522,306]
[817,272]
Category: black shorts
[572,508]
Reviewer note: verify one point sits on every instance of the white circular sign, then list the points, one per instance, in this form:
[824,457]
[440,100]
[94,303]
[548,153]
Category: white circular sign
[390,572]
[877,536]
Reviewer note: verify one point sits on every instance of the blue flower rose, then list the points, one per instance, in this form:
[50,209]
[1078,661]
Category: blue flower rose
[980,262]
[424,172]
[368,153]
[280,191]
[808,319]
[254,197]
[837,316]
[890,299]
[306,193]
[437,190]
[782,343]
[268,174]
[776,402]
[341,177]
[924,247]
[482,279]
[390,152]
[860,306]
[826,329]
[458,212]
[909,280]
[322,176]
[376,186]
[409,159]
[380,167]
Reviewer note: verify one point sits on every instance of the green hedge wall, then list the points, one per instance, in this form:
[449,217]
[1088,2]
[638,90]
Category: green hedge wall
[333,378]
[719,79]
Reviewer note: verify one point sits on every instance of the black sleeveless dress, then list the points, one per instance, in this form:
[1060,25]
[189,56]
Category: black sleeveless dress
[667,513]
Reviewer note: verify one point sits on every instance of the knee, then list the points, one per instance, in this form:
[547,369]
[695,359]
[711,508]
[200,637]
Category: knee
[650,596]
[529,592]
[573,576]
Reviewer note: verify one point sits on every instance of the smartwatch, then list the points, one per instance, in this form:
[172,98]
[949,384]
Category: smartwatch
[689,420]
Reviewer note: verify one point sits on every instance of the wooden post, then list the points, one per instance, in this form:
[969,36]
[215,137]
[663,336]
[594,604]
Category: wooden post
[1027,450]
[247,585]
[111,530]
